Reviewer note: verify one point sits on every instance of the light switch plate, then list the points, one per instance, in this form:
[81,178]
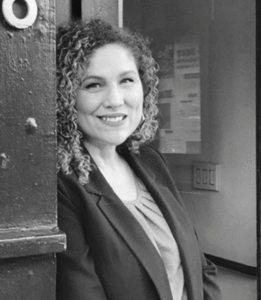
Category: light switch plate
[206,176]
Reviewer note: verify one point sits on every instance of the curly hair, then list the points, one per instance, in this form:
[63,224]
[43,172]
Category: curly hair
[76,44]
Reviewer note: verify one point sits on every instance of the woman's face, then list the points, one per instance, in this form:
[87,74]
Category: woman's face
[110,99]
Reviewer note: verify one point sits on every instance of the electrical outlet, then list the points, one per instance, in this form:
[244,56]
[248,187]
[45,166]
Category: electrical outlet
[206,176]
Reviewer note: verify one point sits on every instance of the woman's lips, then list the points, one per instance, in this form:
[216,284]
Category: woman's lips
[113,118]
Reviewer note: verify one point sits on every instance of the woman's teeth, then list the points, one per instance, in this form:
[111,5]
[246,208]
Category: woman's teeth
[113,119]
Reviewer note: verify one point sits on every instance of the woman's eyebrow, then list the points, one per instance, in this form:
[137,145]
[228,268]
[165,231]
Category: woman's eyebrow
[129,73]
[91,77]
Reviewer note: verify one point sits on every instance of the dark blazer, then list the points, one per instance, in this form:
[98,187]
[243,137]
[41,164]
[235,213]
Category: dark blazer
[109,256]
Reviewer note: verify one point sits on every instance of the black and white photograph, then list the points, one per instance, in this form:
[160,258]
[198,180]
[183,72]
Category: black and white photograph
[129,150]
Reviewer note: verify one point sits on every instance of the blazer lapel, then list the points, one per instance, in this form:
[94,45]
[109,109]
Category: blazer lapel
[131,231]
[185,237]
[179,224]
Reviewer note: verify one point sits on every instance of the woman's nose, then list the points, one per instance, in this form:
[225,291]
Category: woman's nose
[114,97]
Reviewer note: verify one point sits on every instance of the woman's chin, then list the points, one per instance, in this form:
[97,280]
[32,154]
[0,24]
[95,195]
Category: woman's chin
[105,143]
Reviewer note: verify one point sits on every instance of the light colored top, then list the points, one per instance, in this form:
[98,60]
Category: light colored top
[147,213]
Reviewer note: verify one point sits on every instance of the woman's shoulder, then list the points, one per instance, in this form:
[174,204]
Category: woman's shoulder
[152,156]
[66,183]
[156,163]
[62,177]
[70,192]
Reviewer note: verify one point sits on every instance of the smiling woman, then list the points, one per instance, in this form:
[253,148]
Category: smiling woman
[128,234]
[75,78]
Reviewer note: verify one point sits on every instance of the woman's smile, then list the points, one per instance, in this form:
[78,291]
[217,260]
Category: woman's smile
[115,119]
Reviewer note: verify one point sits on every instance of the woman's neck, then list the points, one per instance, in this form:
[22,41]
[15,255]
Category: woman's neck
[105,156]
[115,170]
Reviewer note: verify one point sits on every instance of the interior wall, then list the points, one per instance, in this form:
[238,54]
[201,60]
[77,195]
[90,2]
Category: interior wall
[225,220]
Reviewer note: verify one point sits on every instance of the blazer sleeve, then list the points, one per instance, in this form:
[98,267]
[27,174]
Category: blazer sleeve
[76,277]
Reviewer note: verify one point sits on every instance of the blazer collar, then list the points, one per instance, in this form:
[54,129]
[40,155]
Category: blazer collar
[98,184]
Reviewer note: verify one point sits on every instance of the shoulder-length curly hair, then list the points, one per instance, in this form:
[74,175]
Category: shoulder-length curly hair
[76,44]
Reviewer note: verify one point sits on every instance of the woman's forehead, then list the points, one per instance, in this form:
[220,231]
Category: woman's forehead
[110,55]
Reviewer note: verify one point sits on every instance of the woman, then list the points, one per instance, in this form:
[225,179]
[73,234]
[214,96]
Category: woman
[128,234]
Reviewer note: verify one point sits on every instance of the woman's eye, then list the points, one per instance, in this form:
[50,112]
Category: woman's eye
[127,80]
[92,86]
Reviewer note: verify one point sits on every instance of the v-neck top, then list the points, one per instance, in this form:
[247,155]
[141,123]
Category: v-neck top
[148,214]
